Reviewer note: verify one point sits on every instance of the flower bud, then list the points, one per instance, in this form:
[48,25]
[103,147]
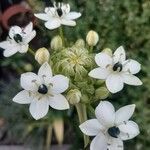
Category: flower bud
[92,38]
[80,43]
[108,51]
[42,55]
[74,96]
[28,67]
[101,93]
[56,43]
[58,126]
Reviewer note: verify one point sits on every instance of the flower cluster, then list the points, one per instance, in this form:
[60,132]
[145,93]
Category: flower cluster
[75,80]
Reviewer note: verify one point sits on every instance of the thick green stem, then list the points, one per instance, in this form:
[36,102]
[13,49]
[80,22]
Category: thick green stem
[91,49]
[49,137]
[62,35]
[82,115]
[31,51]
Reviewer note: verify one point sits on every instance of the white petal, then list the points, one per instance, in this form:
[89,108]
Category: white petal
[10,52]
[5,44]
[99,142]
[99,73]
[91,127]
[105,113]
[24,48]
[30,81]
[52,24]
[114,83]
[131,79]
[30,36]
[14,30]
[68,22]
[132,66]
[72,15]
[58,102]
[42,16]
[22,97]
[60,84]
[115,144]
[129,130]
[28,28]
[39,108]
[119,55]
[124,114]
[45,72]
[103,60]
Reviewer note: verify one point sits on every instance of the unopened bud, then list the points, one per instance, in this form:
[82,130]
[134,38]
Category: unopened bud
[28,67]
[56,43]
[59,130]
[101,93]
[108,51]
[42,55]
[92,38]
[74,96]
[80,43]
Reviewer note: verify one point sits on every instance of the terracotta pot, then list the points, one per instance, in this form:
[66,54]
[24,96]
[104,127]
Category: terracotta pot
[11,13]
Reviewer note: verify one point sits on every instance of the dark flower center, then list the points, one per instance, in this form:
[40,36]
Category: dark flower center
[18,38]
[114,132]
[43,89]
[117,67]
[59,12]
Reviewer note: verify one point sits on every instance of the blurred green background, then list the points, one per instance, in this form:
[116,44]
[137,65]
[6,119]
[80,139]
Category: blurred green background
[118,23]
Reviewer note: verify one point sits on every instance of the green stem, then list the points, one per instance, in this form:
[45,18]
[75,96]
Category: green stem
[90,49]
[62,35]
[31,51]
[82,115]
[49,137]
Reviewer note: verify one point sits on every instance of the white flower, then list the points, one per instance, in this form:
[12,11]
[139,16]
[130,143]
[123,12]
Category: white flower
[43,90]
[58,15]
[116,70]
[110,128]
[18,40]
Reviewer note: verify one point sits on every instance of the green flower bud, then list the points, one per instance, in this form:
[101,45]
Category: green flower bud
[92,38]
[28,67]
[101,93]
[42,55]
[85,98]
[74,96]
[108,51]
[80,43]
[56,43]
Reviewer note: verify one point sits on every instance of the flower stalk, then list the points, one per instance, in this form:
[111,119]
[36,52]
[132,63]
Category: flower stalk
[31,51]
[62,35]
[82,115]
[49,137]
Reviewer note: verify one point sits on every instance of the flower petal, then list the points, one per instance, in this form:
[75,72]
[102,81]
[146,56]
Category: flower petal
[91,127]
[99,73]
[99,142]
[10,52]
[131,79]
[22,97]
[119,55]
[42,16]
[103,60]
[30,81]
[105,113]
[5,44]
[30,36]
[68,22]
[115,144]
[114,83]
[132,66]
[45,72]
[60,84]
[72,15]
[124,114]
[28,28]
[23,48]
[58,102]
[52,24]
[39,108]
[14,30]
[129,130]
